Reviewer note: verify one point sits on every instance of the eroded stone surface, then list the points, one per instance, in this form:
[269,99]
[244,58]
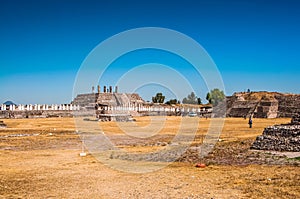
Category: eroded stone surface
[280,137]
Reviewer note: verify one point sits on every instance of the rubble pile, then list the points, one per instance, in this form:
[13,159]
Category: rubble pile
[280,137]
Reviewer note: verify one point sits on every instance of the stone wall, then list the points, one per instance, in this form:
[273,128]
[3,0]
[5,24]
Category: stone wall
[296,119]
[280,137]
[36,114]
[288,104]
[89,101]
[263,104]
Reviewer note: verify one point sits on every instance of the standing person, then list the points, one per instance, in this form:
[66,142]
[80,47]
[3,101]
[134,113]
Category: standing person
[250,122]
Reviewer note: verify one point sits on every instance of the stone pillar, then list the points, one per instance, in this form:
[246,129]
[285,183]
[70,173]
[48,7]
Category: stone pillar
[93,88]
[110,89]
[116,89]
[98,89]
[104,89]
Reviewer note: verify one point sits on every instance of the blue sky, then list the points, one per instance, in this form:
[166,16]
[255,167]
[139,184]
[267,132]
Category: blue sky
[255,44]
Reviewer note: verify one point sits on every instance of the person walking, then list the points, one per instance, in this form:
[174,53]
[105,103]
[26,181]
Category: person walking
[250,122]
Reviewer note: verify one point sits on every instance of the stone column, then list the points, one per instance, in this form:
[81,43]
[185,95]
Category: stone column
[98,88]
[104,89]
[116,89]
[110,89]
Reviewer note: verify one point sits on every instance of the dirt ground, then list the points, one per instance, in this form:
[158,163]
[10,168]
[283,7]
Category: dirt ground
[39,158]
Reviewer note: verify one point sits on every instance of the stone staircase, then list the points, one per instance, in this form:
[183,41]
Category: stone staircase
[263,105]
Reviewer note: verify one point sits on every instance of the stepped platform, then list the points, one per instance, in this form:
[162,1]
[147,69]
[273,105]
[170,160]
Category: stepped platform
[262,104]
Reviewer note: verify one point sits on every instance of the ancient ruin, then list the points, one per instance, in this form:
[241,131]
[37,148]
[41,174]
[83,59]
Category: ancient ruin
[262,104]
[108,102]
[37,110]
[280,137]
[107,105]
[110,105]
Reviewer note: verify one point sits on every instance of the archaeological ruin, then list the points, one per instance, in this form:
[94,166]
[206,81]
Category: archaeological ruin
[106,105]
[113,106]
[284,137]
[262,104]
[107,102]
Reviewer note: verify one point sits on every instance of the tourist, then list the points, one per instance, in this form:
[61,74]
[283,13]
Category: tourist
[250,122]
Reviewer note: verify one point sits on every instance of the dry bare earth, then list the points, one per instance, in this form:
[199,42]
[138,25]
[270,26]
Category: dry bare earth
[45,163]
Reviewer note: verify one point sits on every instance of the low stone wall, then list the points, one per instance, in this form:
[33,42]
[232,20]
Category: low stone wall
[36,114]
[280,137]
[296,119]
[115,117]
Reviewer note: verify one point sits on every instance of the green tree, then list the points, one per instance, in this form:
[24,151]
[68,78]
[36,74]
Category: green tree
[172,101]
[199,100]
[192,99]
[159,98]
[208,97]
[215,96]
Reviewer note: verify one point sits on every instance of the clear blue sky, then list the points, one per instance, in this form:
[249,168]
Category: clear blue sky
[254,43]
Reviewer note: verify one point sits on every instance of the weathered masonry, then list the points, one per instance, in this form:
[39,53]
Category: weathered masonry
[109,105]
[280,137]
[262,104]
